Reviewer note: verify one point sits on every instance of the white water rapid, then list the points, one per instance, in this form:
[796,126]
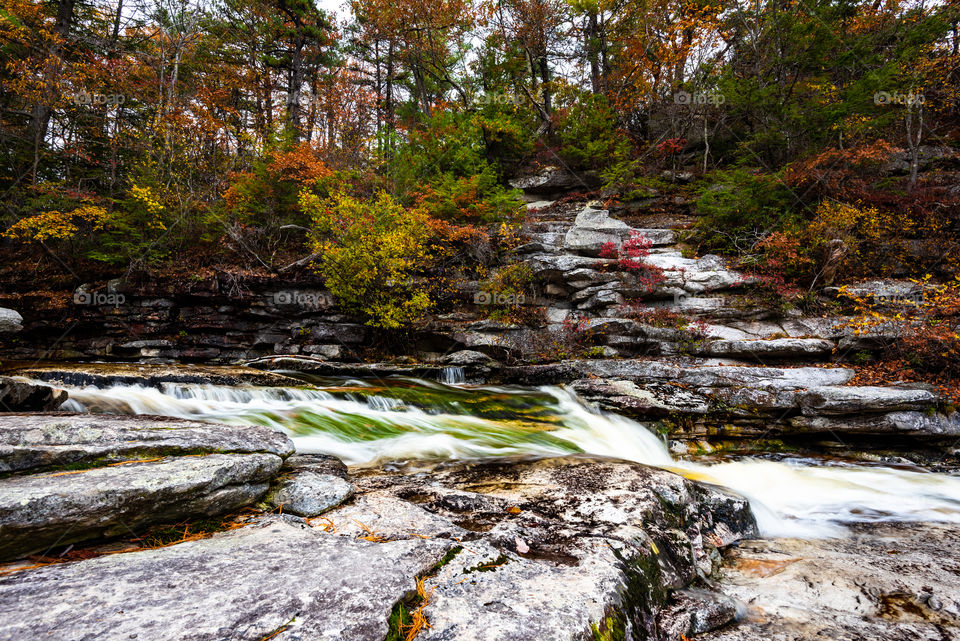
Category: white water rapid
[410,419]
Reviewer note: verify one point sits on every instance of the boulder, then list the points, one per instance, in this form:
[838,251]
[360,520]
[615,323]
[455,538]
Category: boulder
[593,228]
[552,267]
[551,180]
[468,358]
[695,611]
[40,511]
[308,493]
[11,322]
[25,396]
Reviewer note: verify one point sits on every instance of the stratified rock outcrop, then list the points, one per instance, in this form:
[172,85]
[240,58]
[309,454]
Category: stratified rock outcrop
[76,478]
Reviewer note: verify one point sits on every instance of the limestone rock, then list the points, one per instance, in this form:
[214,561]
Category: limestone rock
[308,493]
[853,400]
[11,322]
[550,180]
[772,349]
[593,228]
[244,585]
[556,546]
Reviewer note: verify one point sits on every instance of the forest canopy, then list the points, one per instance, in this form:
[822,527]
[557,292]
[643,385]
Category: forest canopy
[146,134]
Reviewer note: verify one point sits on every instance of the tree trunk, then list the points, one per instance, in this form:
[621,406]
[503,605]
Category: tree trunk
[913,143]
[40,113]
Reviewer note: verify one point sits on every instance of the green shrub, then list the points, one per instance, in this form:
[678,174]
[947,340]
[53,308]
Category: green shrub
[589,134]
[740,208]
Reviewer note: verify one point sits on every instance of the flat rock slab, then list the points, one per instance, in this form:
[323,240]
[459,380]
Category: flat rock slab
[44,510]
[647,371]
[852,400]
[30,441]
[550,548]
[772,349]
[245,585]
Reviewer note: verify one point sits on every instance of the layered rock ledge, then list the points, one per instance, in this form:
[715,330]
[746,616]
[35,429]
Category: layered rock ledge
[73,478]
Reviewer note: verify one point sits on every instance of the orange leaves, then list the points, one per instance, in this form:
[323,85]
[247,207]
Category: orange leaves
[301,164]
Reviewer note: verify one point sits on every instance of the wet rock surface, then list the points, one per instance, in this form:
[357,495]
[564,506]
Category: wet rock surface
[23,396]
[891,581]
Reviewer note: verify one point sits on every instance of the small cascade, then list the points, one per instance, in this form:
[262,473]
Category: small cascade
[453,376]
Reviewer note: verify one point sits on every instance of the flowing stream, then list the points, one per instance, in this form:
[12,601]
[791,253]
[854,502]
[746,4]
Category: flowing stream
[403,419]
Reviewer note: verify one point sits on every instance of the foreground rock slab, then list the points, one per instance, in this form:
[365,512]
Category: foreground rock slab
[43,510]
[889,581]
[248,584]
[561,548]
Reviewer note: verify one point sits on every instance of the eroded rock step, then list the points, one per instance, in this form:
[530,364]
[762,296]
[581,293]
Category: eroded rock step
[32,442]
[40,511]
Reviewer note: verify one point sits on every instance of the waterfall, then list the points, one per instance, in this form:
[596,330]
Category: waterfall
[452,376]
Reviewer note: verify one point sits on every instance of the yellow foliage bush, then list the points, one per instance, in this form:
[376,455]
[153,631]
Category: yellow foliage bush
[56,225]
[371,256]
[874,241]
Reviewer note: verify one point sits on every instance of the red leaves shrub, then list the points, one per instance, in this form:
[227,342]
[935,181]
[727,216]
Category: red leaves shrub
[630,257]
